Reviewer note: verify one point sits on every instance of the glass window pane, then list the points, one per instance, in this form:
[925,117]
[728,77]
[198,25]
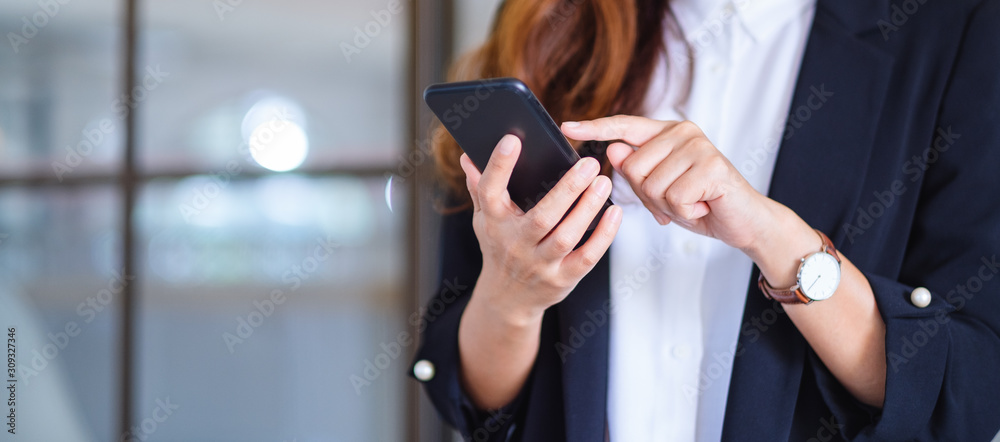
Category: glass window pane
[60,276]
[262,298]
[59,97]
[227,71]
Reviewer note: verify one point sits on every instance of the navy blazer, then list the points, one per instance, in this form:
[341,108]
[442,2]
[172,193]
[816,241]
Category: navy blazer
[892,148]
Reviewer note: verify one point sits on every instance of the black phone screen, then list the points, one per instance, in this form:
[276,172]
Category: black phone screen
[479,113]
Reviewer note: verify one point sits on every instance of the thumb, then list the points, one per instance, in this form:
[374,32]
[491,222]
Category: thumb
[617,153]
[472,176]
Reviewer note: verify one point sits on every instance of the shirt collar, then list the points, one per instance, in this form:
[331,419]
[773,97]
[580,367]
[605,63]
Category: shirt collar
[757,17]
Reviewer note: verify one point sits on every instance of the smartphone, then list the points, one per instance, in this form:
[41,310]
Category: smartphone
[479,113]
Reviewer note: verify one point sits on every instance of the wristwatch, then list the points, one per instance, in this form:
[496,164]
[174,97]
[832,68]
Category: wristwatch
[817,279]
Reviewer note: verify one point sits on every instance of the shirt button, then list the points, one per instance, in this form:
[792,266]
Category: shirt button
[423,370]
[716,68]
[682,352]
[920,297]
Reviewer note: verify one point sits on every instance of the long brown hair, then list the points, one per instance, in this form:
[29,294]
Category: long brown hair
[583,59]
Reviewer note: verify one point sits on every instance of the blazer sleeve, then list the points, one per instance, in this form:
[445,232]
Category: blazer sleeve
[943,360]
[461,263]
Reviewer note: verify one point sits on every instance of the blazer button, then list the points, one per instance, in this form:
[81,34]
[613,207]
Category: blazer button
[920,297]
[423,370]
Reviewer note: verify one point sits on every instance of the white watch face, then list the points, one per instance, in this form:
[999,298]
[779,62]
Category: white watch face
[819,276]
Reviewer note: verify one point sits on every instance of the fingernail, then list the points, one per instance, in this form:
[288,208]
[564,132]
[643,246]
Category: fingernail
[506,145]
[587,166]
[571,123]
[601,186]
[614,213]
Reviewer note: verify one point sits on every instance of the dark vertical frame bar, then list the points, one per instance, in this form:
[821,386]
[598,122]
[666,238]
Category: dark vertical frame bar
[431,42]
[128,183]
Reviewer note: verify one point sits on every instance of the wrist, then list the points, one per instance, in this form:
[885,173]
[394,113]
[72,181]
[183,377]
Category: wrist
[780,244]
[497,303]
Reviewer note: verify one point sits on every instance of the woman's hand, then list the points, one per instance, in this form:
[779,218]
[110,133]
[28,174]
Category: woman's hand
[528,265]
[528,259]
[680,176]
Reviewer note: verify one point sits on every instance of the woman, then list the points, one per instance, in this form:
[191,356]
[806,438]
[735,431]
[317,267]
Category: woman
[722,310]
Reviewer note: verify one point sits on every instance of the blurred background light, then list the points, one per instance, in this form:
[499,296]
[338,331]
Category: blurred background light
[279,145]
[274,128]
[388,193]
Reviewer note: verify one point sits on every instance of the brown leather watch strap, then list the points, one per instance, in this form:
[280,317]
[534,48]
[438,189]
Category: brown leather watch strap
[795,295]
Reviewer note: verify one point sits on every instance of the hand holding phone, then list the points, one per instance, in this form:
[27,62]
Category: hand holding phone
[527,266]
[532,260]
[534,198]
[479,113]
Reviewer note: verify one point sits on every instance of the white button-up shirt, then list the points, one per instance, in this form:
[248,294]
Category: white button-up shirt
[678,297]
